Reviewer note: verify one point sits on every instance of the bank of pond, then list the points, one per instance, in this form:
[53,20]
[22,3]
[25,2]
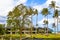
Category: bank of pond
[30,37]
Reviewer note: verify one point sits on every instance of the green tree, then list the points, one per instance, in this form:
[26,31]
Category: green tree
[36,20]
[54,26]
[45,12]
[46,23]
[16,16]
[53,5]
[2,29]
[32,12]
[19,15]
[56,16]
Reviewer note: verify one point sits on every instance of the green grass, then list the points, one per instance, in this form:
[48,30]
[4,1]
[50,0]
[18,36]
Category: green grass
[13,35]
[45,36]
[34,35]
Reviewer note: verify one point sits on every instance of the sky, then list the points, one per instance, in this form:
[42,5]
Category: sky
[8,5]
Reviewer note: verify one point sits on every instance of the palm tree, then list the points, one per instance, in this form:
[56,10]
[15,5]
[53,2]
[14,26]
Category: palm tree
[46,24]
[36,19]
[54,26]
[53,5]
[45,12]
[36,13]
[31,13]
[56,16]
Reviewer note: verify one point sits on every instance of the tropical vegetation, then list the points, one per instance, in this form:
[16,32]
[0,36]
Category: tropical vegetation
[21,17]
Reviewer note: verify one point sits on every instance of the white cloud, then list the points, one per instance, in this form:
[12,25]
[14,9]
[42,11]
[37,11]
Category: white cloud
[38,7]
[3,19]
[2,22]
[50,20]
[21,1]
[8,5]
[45,5]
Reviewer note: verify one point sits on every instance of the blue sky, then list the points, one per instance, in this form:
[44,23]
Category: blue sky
[8,5]
[35,2]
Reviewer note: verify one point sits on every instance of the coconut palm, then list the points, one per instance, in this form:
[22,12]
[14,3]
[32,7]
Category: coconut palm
[45,12]
[54,26]
[53,5]
[36,12]
[32,12]
[46,24]
[56,16]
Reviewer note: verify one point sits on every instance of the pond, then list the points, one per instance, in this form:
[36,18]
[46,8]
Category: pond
[30,39]
[42,39]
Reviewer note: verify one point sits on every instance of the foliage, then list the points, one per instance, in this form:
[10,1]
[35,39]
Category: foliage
[55,14]
[45,11]
[45,22]
[52,5]
[2,29]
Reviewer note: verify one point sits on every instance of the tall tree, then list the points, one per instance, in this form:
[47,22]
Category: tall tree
[46,24]
[54,26]
[53,5]
[36,20]
[19,15]
[2,29]
[14,16]
[31,13]
[45,12]
[56,16]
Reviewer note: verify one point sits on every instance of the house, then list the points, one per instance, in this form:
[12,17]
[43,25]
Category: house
[27,30]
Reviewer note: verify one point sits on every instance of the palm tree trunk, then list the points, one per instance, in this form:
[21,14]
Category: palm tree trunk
[54,21]
[31,26]
[36,23]
[20,35]
[57,24]
[47,25]
[21,29]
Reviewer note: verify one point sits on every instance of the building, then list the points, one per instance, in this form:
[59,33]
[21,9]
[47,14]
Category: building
[26,30]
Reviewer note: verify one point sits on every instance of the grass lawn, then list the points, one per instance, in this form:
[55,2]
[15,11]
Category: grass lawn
[45,36]
[34,35]
[12,35]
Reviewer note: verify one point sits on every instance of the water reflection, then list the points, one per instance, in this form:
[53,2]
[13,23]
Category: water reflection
[7,38]
[42,39]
